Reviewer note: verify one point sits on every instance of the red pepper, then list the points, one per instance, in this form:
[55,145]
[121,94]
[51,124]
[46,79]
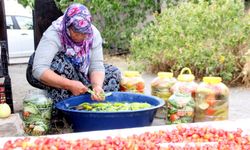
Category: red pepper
[210,111]
[140,86]
[173,117]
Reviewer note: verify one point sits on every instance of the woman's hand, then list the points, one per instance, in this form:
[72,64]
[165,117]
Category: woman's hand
[98,93]
[77,87]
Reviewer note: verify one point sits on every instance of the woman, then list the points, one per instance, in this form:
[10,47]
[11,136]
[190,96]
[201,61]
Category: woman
[69,59]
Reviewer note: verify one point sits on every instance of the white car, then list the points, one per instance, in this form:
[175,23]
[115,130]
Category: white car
[20,36]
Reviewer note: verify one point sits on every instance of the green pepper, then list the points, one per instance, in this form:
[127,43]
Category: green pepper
[186,119]
[191,103]
[172,110]
[173,103]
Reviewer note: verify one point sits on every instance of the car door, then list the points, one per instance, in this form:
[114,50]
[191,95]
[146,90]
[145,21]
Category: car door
[21,36]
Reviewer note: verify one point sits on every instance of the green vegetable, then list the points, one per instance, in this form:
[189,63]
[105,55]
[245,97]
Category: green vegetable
[173,103]
[112,107]
[31,109]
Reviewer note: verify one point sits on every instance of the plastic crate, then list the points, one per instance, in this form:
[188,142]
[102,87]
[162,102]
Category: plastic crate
[4,59]
[5,81]
[5,91]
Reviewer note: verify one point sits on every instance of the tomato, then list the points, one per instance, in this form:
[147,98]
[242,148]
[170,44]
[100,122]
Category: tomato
[140,86]
[173,117]
[147,140]
[210,111]
[211,100]
[26,114]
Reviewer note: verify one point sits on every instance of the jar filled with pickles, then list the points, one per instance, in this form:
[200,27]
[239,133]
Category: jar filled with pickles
[181,108]
[160,87]
[185,83]
[211,100]
[36,112]
[132,81]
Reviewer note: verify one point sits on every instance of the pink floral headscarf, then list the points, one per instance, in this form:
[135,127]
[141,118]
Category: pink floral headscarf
[79,17]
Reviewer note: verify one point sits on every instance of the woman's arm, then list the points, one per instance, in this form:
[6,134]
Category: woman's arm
[52,79]
[96,69]
[48,46]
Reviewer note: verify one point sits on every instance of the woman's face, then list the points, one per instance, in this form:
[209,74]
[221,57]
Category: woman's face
[76,36]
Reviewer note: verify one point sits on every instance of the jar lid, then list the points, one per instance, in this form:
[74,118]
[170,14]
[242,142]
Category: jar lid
[185,77]
[131,73]
[212,80]
[165,74]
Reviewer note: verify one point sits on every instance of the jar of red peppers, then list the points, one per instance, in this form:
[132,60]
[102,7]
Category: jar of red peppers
[160,87]
[211,100]
[185,83]
[132,81]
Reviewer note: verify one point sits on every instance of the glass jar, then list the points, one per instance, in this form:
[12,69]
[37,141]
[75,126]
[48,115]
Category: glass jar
[180,108]
[211,100]
[185,83]
[36,112]
[132,81]
[160,87]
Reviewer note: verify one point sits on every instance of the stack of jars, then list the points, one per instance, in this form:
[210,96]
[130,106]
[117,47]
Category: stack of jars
[161,87]
[211,100]
[181,104]
[132,81]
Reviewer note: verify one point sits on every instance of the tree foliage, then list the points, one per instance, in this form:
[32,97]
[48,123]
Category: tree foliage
[208,37]
[116,19]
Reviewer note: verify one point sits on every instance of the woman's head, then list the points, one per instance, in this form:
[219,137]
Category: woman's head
[77,22]
[76,35]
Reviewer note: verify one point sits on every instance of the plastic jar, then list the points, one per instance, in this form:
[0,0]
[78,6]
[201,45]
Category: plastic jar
[185,83]
[181,108]
[211,100]
[132,81]
[161,87]
[36,112]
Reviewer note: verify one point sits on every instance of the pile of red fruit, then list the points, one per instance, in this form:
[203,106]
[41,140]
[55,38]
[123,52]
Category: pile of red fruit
[226,140]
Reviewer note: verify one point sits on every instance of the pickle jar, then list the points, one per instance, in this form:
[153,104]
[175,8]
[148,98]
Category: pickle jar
[161,87]
[36,112]
[132,81]
[211,100]
[185,83]
[181,108]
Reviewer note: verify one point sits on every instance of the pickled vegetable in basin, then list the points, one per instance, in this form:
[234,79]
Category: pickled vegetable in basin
[83,120]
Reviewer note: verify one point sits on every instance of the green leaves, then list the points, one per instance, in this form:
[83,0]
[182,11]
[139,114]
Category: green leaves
[203,36]
[115,19]
[25,3]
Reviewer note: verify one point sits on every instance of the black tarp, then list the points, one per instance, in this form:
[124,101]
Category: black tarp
[45,12]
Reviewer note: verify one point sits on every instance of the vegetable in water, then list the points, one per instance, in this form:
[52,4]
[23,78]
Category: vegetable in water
[112,107]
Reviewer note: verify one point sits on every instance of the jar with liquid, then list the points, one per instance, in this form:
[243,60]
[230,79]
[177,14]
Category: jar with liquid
[211,100]
[36,112]
[132,81]
[181,108]
[161,87]
[185,83]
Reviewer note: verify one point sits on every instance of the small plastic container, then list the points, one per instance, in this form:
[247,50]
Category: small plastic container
[181,108]
[132,81]
[161,87]
[185,83]
[211,100]
[37,112]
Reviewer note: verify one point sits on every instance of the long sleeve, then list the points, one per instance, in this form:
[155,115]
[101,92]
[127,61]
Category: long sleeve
[96,63]
[47,48]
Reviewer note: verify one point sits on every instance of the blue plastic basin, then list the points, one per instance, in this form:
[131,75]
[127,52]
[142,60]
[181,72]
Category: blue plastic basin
[89,121]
